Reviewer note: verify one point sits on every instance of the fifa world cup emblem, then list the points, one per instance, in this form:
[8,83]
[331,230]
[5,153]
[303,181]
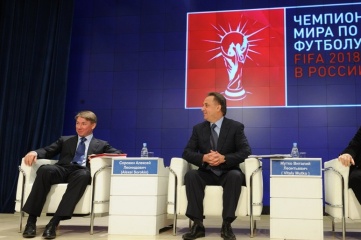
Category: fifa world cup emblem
[233,47]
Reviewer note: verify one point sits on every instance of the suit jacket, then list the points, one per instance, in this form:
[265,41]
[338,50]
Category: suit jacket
[232,143]
[354,149]
[66,146]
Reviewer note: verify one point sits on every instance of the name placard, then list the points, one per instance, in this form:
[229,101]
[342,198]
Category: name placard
[135,166]
[296,167]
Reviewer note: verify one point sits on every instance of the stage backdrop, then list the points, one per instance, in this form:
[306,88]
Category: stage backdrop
[289,69]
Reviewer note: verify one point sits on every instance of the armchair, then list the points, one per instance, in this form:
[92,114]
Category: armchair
[94,201]
[340,201]
[249,204]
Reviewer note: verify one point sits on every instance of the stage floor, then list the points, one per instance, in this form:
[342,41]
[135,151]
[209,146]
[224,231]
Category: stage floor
[78,228]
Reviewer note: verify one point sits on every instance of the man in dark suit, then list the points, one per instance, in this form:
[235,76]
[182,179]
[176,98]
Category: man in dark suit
[351,156]
[72,168]
[217,146]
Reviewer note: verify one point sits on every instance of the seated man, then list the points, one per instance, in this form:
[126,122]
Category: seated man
[351,156]
[218,159]
[72,168]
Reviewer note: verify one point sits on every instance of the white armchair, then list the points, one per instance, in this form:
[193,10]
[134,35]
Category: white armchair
[340,201]
[250,202]
[94,201]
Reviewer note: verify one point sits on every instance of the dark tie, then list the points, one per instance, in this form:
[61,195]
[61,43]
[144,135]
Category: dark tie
[214,141]
[80,152]
[214,137]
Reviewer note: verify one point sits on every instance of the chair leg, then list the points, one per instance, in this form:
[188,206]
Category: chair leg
[174,224]
[22,199]
[343,228]
[253,227]
[21,221]
[92,215]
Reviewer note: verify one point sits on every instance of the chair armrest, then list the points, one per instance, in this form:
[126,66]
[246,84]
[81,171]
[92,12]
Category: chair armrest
[100,169]
[98,163]
[252,169]
[27,174]
[177,169]
[335,181]
[337,165]
[30,171]
[251,166]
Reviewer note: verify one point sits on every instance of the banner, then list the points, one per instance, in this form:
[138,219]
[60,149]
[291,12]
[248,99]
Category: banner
[282,57]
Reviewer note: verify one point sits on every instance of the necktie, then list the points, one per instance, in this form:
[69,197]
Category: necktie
[214,139]
[80,152]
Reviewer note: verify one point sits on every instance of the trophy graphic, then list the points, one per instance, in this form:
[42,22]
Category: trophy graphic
[233,47]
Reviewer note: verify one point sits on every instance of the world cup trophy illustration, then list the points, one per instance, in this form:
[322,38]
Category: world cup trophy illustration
[234,47]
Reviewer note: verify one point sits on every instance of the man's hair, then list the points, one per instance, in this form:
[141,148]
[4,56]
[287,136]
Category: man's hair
[88,115]
[219,98]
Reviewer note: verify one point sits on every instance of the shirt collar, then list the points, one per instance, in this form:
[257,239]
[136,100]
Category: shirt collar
[88,138]
[218,123]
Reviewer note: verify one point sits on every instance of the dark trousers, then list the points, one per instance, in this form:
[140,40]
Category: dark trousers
[196,181]
[76,176]
[355,182]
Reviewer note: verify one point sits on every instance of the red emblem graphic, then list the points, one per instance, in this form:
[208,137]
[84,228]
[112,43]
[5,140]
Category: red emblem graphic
[238,53]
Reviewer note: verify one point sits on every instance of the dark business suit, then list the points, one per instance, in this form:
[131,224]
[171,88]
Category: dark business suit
[64,171]
[233,144]
[354,149]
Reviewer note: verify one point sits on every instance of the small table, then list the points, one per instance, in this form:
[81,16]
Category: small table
[296,205]
[138,196]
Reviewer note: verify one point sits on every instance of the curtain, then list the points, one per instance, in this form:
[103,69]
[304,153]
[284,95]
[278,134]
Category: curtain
[34,53]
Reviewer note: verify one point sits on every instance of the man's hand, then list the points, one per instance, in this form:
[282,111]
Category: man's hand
[30,158]
[214,158]
[346,159]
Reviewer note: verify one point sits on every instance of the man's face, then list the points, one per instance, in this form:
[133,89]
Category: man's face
[84,127]
[211,109]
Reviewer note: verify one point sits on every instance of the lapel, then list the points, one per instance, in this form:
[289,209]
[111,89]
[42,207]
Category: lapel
[206,135]
[73,143]
[93,145]
[223,134]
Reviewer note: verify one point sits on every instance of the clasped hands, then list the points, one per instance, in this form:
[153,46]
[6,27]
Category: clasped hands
[346,159]
[214,158]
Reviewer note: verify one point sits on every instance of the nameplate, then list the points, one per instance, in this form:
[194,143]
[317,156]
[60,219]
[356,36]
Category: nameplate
[308,167]
[134,166]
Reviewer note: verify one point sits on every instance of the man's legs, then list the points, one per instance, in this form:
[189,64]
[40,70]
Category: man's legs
[47,175]
[355,182]
[78,179]
[77,182]
[195,186]
[196,182]
[232,183]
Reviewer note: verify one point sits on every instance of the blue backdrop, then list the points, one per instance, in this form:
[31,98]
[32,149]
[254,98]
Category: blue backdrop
[127,64]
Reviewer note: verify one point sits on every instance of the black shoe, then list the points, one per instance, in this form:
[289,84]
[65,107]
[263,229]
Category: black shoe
[197,231]
[30,230]
[227,232]
[49,232]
